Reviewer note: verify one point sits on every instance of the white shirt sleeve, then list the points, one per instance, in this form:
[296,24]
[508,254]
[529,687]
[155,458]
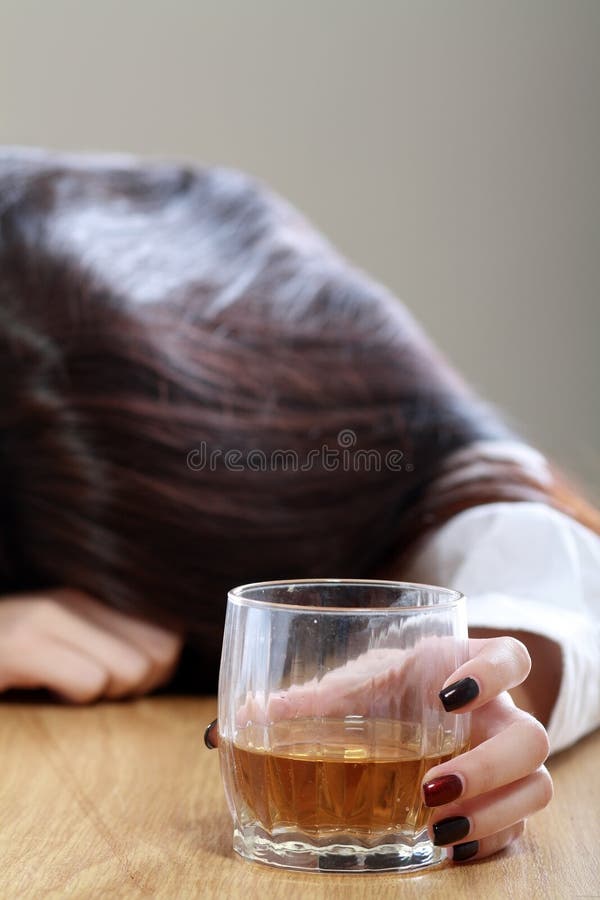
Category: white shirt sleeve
[528,567]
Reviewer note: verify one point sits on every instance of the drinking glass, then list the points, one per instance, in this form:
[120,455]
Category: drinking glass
[329,717]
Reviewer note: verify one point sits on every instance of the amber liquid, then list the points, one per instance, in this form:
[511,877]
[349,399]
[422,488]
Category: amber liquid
[319,776]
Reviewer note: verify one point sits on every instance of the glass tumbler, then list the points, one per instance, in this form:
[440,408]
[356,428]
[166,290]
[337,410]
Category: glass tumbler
[329,717]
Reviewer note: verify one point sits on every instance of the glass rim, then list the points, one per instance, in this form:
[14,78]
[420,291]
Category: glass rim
[452,597]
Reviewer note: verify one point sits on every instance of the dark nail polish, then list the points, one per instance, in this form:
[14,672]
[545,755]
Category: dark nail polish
[442,790]
[461,852]
[449,831]
[459,694]
[211,735]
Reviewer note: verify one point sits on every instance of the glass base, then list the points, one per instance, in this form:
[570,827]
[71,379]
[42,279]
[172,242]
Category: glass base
[336,853]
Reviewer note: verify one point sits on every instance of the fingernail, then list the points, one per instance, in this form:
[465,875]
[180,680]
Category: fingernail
[211,735]
[459,694]
[449,831]
[442,790]
[461,852]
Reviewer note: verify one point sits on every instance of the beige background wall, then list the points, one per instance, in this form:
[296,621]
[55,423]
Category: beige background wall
[450,148]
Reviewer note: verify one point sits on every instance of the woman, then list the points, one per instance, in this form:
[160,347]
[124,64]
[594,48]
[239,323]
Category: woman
[166,334]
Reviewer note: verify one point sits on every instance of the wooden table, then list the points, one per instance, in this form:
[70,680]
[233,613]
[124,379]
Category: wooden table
[123,800]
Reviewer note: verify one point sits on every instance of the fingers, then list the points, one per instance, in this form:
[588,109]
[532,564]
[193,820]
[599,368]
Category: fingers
[497,665]
[509,755]
[126,667]
[473,850]
[68,642]
[69,673]
[489,814]
[482,797]
[161,646]
[371,684]
[161,643]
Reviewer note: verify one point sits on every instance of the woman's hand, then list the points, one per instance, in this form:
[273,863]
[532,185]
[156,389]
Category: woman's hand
[78,648]
[483,797]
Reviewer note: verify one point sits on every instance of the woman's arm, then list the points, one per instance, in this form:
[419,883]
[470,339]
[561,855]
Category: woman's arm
[533,572]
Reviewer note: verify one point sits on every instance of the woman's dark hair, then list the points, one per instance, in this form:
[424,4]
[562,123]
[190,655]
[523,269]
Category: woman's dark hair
[182,360]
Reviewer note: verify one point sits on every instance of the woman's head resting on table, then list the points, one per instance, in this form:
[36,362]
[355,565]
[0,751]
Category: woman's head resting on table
[189,375]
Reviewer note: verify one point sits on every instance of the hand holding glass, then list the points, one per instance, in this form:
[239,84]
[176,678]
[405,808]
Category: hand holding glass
[329,717]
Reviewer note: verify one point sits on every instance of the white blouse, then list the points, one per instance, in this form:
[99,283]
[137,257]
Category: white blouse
[526,567]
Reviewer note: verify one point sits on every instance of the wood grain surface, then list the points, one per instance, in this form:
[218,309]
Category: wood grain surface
[123,800]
